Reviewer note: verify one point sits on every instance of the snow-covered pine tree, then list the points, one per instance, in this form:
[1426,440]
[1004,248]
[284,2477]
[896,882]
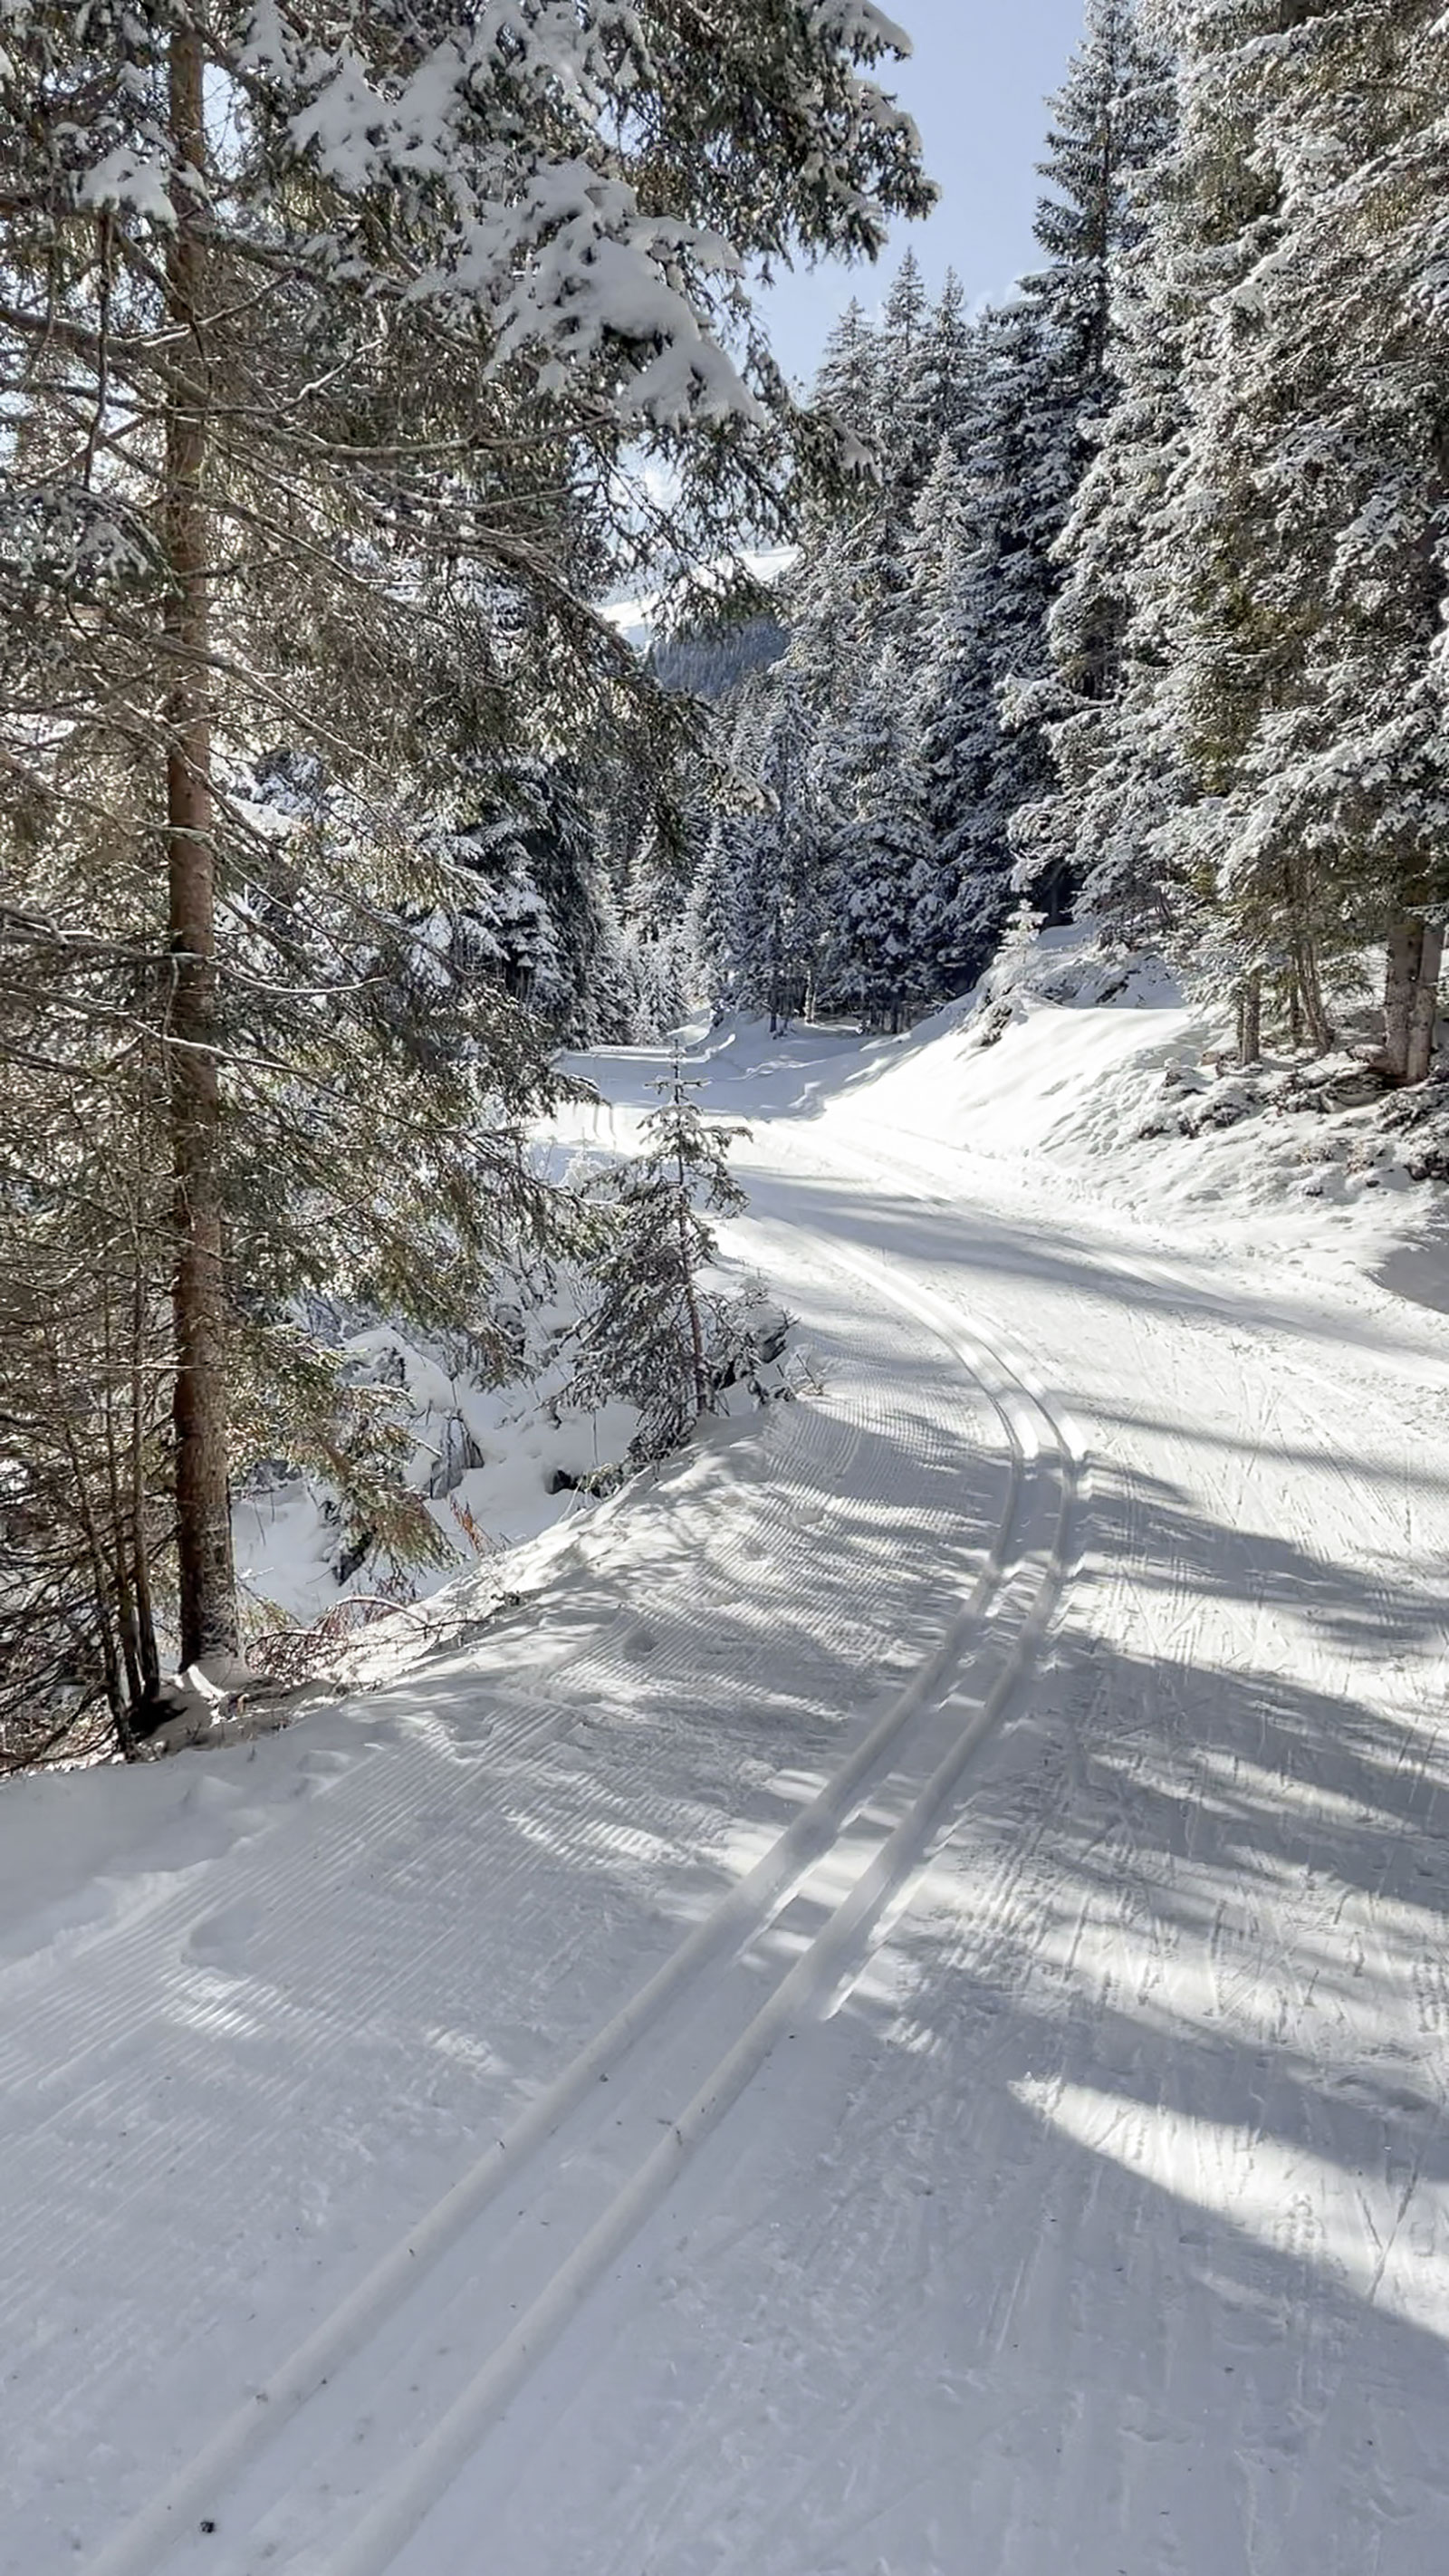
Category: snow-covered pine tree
[564,847]
[1026,384]
[965,895]
[876,963]
[1111,119]
[324,336]
[505,932]
[940,392]
[919,392]
[1118,773]
[1310,580]
[908,394]
[535,912]
[981,583]
[822,599]
[801,890]
[1110,123]
[655,1339]
[762,897]
[900,389]
[729,907]
[846,387]
[658,922]
[1258,549]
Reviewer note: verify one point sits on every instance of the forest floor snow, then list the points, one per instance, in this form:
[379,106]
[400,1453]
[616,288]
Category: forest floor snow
[891,2017]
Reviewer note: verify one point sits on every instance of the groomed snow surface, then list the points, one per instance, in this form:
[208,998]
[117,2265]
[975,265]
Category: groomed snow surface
[892,2017]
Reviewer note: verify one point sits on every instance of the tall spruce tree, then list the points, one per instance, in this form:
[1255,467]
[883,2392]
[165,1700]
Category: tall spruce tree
[1118,773]
[884,871]
[1110,122]
[856,597]
[772,934]
[966,895]
[324,336]
[1262,538]
[1307,685]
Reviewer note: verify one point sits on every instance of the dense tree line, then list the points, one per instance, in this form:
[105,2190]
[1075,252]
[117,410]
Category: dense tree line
[348,355]
[1140,608]
[903,734]
[343,351]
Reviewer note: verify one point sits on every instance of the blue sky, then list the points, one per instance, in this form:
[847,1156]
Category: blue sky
[976,85]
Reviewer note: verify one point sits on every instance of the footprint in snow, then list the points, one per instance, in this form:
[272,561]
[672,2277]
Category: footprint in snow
[221,1940]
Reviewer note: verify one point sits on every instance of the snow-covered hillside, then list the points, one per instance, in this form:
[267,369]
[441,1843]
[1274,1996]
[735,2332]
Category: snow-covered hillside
[1064,1065]
[1097,1076]
[890,2014]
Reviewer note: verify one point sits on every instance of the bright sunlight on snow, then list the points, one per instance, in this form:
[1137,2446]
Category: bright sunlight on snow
[893,2008]
[724,1290]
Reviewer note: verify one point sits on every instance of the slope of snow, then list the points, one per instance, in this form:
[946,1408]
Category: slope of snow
[1100,1083]
[496,1465]
[1115,1090]
[890,2016]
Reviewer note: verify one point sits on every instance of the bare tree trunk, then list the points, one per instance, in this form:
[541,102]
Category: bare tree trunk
[1401,978]
[117,1534]
[1310,992]
[1250,1019]
[1424,1004]
[140,1535]
[203,1511]
[100,1572]
[686,1273]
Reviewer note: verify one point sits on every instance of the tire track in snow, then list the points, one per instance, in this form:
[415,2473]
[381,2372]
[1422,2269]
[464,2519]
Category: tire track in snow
[823,1442]
[382,1786]
[1019,1585]
[836,1953]
[111,2157]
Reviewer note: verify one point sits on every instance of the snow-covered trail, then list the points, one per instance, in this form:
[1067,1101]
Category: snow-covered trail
[930,2087]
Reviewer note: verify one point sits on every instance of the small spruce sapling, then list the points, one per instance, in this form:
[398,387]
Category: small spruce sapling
[658,1338]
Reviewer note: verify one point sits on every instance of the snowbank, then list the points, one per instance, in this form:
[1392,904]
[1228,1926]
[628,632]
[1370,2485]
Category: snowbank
[495,1464]
[1068,1068]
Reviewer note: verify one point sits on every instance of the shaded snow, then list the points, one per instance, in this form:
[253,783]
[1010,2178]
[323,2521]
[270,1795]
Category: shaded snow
[1123,1103]
[1051,1711]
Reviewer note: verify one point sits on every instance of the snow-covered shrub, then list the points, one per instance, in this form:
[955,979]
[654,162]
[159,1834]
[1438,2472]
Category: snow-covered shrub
[664,1336]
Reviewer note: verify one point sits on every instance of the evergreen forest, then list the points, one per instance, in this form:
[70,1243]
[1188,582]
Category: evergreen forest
[352,361]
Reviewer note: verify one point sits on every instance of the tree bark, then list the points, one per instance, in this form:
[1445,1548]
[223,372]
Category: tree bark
[199,1407]
[117,1532]
[139,1530]
[1401,977]
[686,1273]
[1250,1020]
[100,1571]
[1424,1004]
[1310,992]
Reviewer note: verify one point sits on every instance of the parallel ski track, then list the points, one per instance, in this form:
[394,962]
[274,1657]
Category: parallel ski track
[71,2033]
[379,1789]
[383,1781]
[1010,1607]
[68,2039]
